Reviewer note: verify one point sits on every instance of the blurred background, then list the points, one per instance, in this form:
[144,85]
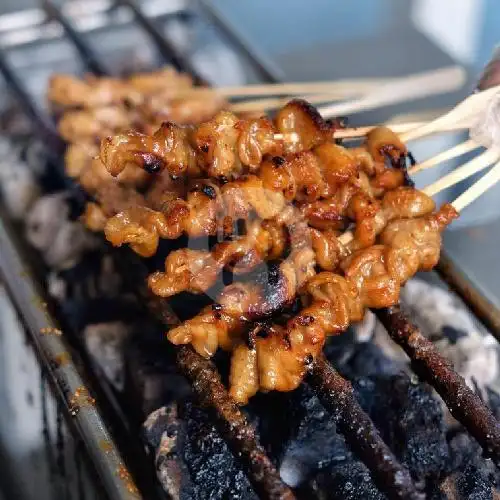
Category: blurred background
[292,40]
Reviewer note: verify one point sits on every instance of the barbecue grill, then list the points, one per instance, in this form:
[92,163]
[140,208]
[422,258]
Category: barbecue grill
[116,455]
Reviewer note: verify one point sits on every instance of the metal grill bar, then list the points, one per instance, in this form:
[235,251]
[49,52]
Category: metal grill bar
[72,391]
[464,404]
[478,303]
[168,50]
[266,68]
[337,395]
[89,57]
[42,124]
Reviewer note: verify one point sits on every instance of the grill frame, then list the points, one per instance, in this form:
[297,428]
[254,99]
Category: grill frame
[331,388]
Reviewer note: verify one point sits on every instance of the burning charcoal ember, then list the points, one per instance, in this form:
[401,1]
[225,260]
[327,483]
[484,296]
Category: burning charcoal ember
[395,404]
[105,342]
[410,420]
[472,477]
[468,475]
[94,276]
[152,379]
[363,359]
[211,465]
[192,460]
[473,352]
[50,230]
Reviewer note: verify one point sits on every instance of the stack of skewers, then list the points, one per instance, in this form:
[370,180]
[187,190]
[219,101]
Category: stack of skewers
[341,228]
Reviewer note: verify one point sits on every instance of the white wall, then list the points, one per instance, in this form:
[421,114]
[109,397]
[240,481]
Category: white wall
[454,25]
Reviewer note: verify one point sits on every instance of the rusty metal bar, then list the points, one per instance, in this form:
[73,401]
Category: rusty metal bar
[466,406]
[487,313]
[233,425]
[167,49]
[71,386]
[337,395]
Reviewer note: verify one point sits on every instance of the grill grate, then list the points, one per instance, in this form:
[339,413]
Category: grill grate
[167,50]
[334,391]
[91,60]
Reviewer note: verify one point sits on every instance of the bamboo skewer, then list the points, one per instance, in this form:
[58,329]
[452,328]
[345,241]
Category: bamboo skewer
[404,90]
[358,132]
[484,160]
[266,104]
[338,89]
[449,154]
[398,128]
[465,114]
[477,189]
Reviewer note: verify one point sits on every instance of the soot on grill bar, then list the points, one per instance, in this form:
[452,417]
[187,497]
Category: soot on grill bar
[192,460]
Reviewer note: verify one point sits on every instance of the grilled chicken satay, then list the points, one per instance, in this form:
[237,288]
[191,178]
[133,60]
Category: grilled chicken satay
[184,110]
[223,146]
[90,125]
[277,357]
[197,270]
[66,91]
[418,206]
[329,172]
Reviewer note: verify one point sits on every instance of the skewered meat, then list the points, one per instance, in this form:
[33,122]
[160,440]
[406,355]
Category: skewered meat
[282,354]
[69,92]
[93,176]
[90,125]
[222,146]
[279,180]
[183,110]
[267,240]
[163,80]
[197,270]
[395,232]
[415,244]
[77,158]
[303,119]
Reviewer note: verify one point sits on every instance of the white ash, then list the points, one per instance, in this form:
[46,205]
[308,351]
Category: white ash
[105,342]
[161,430]
[49,229]
[18,183]
[293,471]
[443,318]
